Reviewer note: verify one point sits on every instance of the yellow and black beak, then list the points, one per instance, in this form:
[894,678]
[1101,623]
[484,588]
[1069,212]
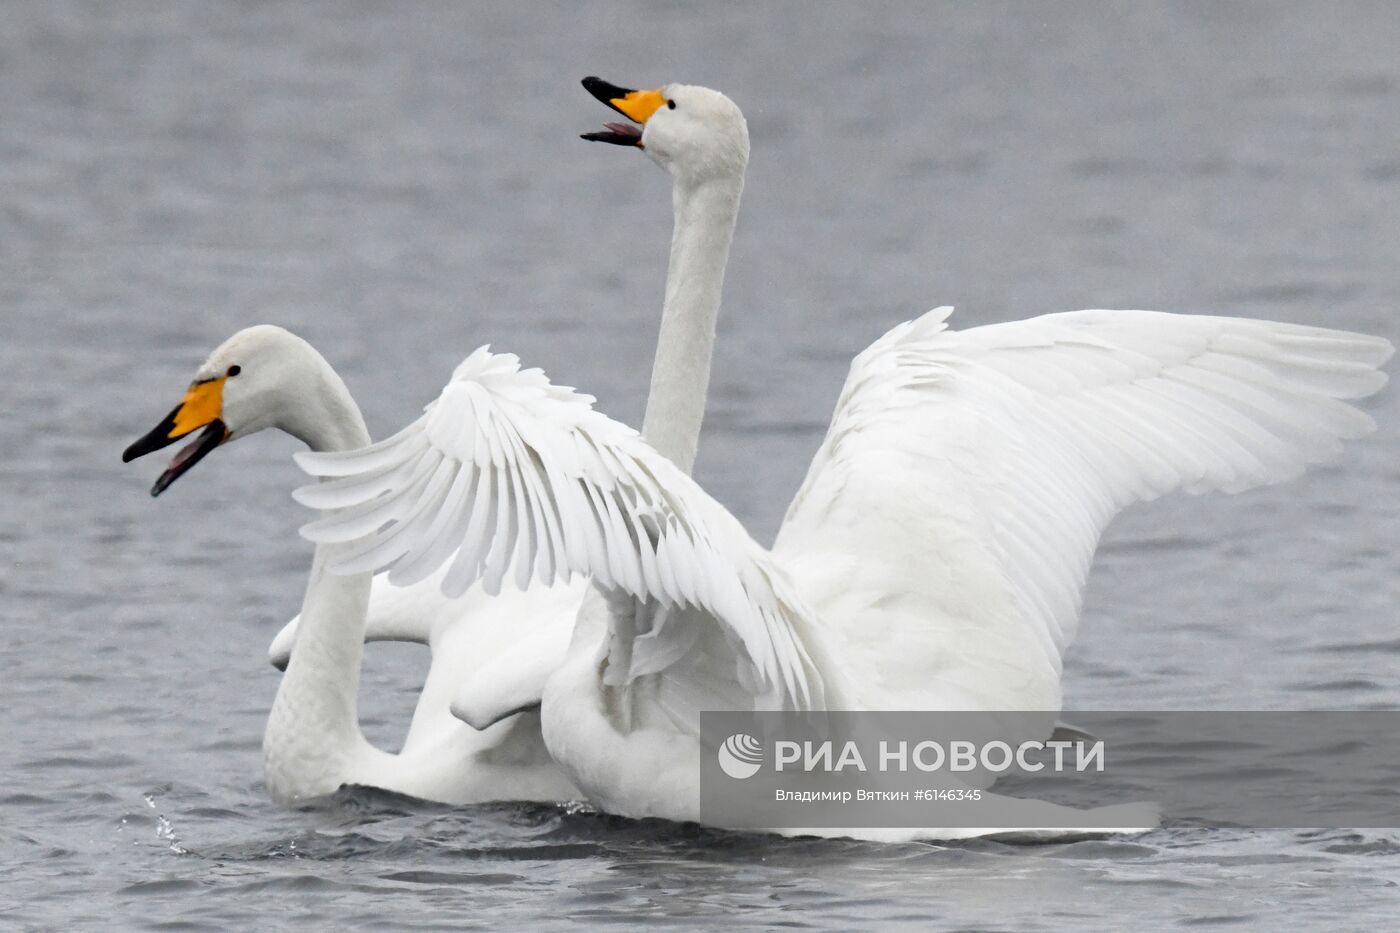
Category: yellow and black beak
[637,106]
[202,407]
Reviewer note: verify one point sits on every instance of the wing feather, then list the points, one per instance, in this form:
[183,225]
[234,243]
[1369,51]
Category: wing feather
[961,490]
[507,476]
[443,535]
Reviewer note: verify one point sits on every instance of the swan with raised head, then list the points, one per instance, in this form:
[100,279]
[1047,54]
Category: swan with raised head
[264,377]
[454,629]
[933,558]
[492,649]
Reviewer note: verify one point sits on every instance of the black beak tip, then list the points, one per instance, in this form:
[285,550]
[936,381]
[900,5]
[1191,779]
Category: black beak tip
[598,87]
[140,448]
[603,91]
[155,439]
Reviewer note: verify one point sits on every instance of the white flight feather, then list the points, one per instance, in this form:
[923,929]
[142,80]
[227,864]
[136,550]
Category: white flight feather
[559,489]
[1037,433]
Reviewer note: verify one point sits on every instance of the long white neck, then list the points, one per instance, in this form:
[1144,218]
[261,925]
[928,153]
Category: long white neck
[313,732]
[680,376]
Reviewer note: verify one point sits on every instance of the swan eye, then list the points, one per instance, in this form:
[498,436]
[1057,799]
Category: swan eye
[234,370]
[670,105]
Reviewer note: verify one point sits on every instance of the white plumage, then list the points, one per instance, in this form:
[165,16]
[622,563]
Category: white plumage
[957,500]
[942,536]
[935,555]
[508,476]
[264,377]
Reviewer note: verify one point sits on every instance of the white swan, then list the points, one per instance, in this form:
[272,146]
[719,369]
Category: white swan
[933,558]
[492,650]
[525,635]
[265,377]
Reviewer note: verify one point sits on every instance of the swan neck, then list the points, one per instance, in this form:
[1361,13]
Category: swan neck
[313,731]
[325,417]
[680,378]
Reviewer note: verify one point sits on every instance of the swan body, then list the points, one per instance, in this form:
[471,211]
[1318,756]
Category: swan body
[508,478]
[492,651]
[265,377]
[706,203]
[933,558]
[484,664]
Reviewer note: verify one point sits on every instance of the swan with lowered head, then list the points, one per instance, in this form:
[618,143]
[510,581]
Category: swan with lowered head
[933,558]
[264,377]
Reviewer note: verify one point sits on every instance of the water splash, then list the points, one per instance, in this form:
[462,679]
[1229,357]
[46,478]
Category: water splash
[165,830]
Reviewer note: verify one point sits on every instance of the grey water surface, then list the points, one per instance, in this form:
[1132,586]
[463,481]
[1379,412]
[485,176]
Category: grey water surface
[400,183]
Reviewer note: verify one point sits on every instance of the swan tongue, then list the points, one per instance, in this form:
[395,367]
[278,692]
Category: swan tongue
[212,436]
[619,134]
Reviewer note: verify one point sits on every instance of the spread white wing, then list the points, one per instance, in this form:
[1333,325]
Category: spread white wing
[506,475]
[955,504]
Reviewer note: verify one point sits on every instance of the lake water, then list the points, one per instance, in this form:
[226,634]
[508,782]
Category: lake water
[401,183]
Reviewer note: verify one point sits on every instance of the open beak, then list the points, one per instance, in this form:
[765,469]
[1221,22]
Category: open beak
[202,407]
[637,106]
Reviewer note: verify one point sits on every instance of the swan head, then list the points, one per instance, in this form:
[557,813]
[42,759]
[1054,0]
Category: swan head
[693,132]
[261,377]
